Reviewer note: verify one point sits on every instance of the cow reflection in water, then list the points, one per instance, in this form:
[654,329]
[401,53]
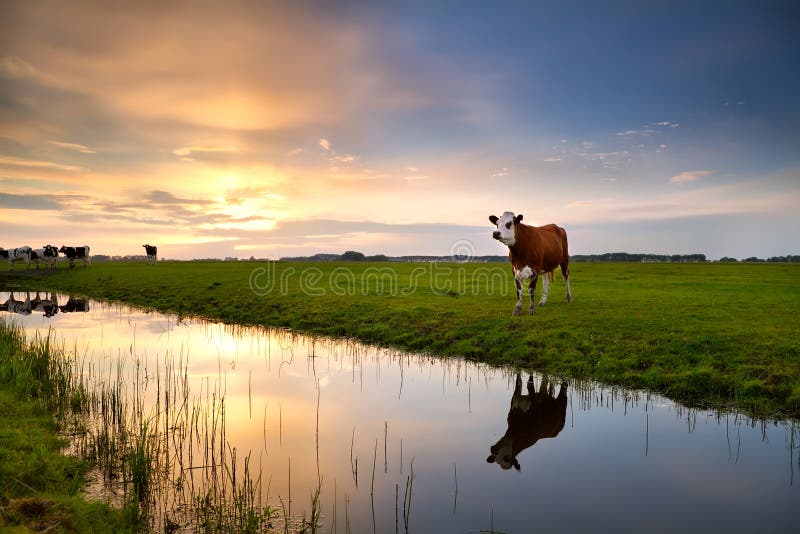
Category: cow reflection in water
[75,304]
[531,417]
[14,305]
[47,305]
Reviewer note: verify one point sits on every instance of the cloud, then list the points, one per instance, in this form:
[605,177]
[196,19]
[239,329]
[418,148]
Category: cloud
[28,202]
[73,146]
[552,158]
[344,158]
[15,67]
[39,164]
[165,197]
[324,143]
[580,203]
[191,150]
[644,131]
[502,172]
[688,176]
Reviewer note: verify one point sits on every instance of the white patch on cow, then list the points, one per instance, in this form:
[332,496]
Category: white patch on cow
[505,227]
[504,455]
[545,288]
[523,274]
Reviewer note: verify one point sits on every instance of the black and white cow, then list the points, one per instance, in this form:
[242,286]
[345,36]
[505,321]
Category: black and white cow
[76,253]
[152,253]
[17,254]
[48,255]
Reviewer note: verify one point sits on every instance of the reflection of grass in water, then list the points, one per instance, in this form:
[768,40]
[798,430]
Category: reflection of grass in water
[135,450]
[39,487]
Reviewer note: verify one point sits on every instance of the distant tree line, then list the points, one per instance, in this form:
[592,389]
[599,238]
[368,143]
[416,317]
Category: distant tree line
[772,259]
[639,258]
[352,255]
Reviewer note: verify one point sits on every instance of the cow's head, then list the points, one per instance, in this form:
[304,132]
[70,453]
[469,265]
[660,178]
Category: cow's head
[506,227]
[501,453]
[63,249]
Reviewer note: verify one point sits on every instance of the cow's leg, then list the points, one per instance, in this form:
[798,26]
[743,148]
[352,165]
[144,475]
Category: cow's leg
[545,288]
[532,289]
[565,274]
[519,296]
[531,387]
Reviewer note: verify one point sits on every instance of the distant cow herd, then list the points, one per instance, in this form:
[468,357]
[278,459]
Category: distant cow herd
[49,255]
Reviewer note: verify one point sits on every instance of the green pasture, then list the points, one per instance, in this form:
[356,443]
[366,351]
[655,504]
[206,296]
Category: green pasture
[720,334]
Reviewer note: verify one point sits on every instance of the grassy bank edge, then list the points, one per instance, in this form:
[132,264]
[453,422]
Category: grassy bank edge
[40,488]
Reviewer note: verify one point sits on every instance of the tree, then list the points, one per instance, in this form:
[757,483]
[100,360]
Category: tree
[352,255]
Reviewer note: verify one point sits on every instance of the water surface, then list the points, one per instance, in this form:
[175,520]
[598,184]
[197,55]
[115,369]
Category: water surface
[355,420]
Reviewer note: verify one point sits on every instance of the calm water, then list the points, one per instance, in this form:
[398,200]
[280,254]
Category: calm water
[590,457]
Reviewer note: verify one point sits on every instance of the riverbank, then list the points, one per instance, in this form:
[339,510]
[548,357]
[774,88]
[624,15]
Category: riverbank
[40,488]
[707,334]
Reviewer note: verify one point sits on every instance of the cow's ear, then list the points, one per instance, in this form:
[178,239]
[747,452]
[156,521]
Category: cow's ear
[490,459]
[517,219]
[493,219]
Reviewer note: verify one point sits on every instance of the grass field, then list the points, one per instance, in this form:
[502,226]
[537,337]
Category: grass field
[700,333]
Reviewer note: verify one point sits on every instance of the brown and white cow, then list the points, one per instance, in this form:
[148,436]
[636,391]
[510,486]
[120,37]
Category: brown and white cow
[531,417]
[533,250]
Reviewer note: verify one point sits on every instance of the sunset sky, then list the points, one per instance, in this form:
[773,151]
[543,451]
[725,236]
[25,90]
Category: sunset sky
[288,128]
